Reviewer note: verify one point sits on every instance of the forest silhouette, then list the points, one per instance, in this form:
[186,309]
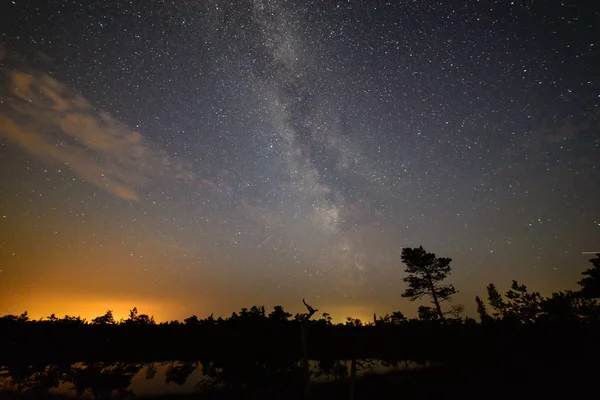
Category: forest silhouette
[521,344]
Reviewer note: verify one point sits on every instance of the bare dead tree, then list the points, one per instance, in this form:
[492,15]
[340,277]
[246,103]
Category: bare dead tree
[311,311]
[304,318]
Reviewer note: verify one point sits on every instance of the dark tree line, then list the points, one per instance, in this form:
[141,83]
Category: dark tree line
[275,345]
[425,276]
[519,305]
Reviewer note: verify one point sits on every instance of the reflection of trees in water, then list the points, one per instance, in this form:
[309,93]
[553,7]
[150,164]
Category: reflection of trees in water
[243,373]
[98,380]
[280,375]
[102,380]
[179,372]
[35,379]
[150,371]
[332,369]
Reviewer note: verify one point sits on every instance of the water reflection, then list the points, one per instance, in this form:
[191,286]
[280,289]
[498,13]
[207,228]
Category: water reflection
[100,380]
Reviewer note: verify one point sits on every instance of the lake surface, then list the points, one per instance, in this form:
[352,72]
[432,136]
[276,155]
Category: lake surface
[99,380]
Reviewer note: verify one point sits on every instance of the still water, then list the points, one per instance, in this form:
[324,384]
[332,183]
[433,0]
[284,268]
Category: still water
[99,380]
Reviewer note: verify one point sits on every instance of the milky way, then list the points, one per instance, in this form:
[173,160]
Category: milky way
[202,156]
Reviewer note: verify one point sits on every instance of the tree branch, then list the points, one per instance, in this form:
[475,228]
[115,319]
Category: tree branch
[311,311]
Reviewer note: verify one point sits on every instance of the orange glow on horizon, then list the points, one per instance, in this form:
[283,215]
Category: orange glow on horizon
[339,314]
[42,306]
[38,308]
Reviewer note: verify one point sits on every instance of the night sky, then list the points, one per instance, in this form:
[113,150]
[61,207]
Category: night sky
[196,157]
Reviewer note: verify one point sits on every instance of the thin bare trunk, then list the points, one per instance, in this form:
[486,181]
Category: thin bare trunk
[304,332]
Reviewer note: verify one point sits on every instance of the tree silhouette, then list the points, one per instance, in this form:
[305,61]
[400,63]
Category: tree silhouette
[562,307]
[455,311]
[255,313]
[350,321]
[496,301]
[326,320]
[193,320]
[106,319]
[481,310]
[15,318]
[52,318]
[590,285]
[139,319]
[427,314]
[524,306]
[68,319]
[425,274]
[396,318]
[279,314]
[520,306]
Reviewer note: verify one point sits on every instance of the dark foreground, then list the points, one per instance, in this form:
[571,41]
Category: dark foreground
[521,379]
[264,360]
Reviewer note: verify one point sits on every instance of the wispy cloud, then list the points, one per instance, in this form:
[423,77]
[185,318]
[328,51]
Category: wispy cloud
[52,122]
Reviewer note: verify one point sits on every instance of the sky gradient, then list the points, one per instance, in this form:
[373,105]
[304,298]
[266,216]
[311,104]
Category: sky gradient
[196,157]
